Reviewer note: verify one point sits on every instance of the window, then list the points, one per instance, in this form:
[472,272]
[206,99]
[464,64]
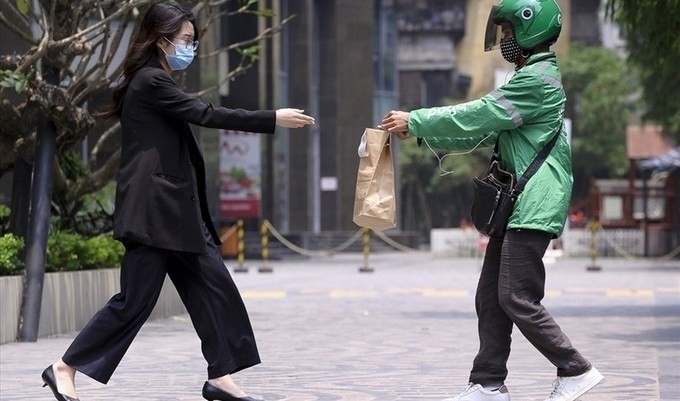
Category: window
[612,208]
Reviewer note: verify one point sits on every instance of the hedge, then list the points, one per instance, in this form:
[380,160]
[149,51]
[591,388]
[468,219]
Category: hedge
[65,252]
[10,246]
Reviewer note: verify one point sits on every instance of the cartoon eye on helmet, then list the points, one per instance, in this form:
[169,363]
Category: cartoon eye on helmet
[534,22]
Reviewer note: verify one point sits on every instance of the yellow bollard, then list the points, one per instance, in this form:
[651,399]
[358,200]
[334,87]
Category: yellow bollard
[593,226]
[265,268]
[367,250]
[240,248]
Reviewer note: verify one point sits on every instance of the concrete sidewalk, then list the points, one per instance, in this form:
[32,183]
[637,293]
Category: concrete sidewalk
[404,332]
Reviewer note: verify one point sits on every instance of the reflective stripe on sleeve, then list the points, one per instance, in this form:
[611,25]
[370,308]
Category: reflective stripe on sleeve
[552,82]
[509,107]
[542,66]
[538,70]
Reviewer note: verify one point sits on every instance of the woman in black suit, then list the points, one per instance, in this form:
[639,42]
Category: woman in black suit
[161,215]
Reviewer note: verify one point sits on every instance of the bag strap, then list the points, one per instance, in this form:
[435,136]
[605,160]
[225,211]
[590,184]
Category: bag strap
[536,163]
[495,156]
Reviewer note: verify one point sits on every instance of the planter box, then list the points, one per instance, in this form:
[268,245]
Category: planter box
[11,290]
[70,299]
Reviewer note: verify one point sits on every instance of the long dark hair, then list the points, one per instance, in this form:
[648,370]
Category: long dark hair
[163,20]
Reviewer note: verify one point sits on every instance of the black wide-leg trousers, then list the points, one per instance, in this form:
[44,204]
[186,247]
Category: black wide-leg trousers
[510,289]
[207,291]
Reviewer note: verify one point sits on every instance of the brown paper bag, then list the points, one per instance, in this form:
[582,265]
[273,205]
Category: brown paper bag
[375,204]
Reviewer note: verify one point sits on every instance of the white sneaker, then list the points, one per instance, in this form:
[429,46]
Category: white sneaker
[475,392]
[571,388]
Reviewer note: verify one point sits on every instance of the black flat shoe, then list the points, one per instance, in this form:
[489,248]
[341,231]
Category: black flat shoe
[51,381]
[212,393]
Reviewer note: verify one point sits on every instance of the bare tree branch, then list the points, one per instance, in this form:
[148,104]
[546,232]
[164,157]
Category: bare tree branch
[60,182]
[112,130]
[18,31]
[240,69]
[39,52]
[82,39]
[261,36]
[97,180]
[18,16]
[121,11]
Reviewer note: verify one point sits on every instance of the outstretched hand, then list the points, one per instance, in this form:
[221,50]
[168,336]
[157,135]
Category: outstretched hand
[292,118]
[396,123]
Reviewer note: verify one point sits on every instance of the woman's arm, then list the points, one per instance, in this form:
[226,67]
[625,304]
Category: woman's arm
[169,99]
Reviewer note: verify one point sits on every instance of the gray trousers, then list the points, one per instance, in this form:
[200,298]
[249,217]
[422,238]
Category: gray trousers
[509,292]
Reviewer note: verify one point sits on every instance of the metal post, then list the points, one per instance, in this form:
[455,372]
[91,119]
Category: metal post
[645,204]
[39,221]
[21,200]
[265,268]
[21,197]
[314,110]
[593,226]
[240,248]
[367,250]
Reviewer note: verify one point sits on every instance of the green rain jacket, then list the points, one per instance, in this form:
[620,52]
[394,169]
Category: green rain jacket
[523,115]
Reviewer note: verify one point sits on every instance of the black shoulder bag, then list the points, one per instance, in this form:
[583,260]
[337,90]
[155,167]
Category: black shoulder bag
[496,193]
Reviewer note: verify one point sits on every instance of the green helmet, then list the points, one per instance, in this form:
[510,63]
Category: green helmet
[534,22]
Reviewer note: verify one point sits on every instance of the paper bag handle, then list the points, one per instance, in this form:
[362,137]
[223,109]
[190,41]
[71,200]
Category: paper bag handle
[363,152]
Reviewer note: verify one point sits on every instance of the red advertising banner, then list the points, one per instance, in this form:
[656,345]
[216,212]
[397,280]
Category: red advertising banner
[240,174]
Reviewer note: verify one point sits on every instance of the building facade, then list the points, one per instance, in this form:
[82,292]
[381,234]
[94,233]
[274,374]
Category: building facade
[324,62]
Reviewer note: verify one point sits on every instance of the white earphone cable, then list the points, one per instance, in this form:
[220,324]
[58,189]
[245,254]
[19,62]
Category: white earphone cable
[444,172]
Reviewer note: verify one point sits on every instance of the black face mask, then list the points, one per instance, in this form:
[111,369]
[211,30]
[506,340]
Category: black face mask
[510,50]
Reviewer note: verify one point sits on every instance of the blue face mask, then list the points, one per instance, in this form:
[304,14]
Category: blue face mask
[183,56]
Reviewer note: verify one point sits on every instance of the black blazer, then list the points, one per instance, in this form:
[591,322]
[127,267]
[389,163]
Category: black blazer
[161,188]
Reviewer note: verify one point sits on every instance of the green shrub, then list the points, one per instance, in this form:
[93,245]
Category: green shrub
[64,252]
[67,252]
[10,246]
[103,252]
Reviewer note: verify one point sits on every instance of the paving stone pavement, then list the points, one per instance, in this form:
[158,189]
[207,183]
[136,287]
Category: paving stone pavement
[406,332]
